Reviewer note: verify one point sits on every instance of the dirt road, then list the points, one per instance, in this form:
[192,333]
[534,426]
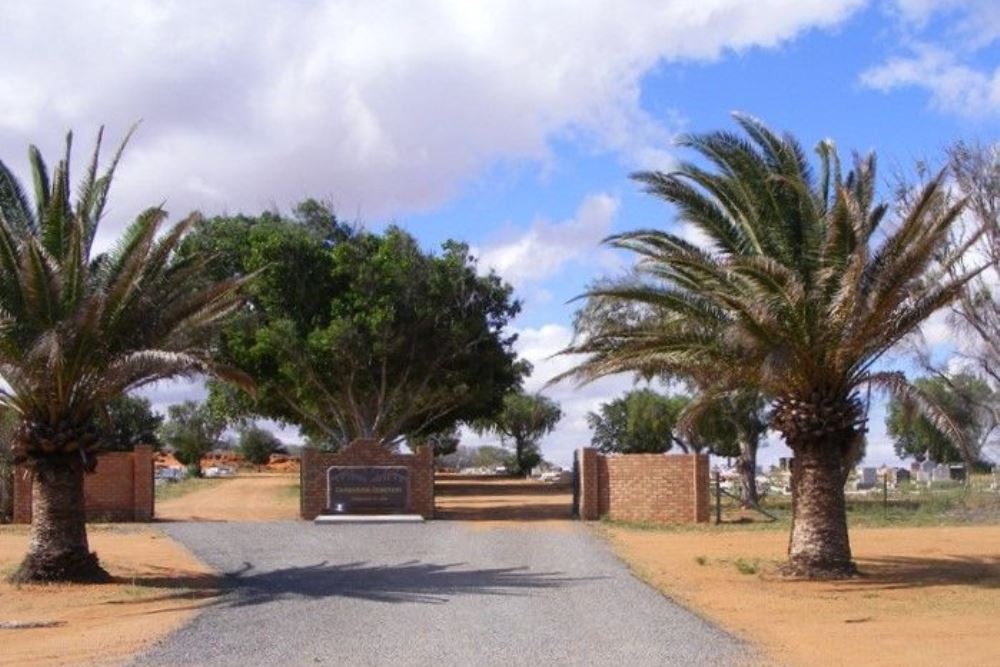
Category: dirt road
[466,498]
[253,497]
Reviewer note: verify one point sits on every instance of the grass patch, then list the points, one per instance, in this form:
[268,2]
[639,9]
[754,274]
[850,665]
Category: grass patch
[909,506]
[292,490]
[747,565]
[184,487]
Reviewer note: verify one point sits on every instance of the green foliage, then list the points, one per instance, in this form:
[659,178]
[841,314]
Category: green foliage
[129,421]
[78,330]
[641,421]
[443,443]
[191,431]
[524,420]
[352,334]
[257,444]
[747,565]
[966,400]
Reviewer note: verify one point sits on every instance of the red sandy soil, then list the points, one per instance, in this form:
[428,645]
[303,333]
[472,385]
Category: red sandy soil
[500,499]
[159,586]
[246,497]
[928,597]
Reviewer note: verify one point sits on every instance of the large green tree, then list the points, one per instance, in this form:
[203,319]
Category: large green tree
[257,444]
[78,329]
[642,421]
[129,421]
[350,333]
[797,292]
[192,430]
[967,401]
[524,420]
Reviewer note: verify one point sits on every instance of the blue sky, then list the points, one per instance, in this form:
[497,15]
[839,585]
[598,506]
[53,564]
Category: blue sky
[512,126]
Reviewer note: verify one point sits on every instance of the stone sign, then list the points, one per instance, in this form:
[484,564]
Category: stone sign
[367,489]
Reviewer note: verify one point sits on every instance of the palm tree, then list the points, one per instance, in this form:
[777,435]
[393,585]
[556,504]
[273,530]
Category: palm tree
[78,330]
[797,294]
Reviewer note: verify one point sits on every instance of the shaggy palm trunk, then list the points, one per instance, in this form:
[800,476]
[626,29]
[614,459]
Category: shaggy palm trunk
[58,550]
[746,466]
[819,546]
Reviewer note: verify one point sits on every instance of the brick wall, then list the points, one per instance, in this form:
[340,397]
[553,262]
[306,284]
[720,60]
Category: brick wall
[315,464]
[119,489]
[646,488]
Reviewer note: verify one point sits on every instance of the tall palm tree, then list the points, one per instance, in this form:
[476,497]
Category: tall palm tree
[797,293]
[77,330]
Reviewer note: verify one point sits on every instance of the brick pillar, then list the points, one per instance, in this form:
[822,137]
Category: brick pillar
[422,483]
[589,485]
[702,489]
[22,495]
[142,483]
[312,500]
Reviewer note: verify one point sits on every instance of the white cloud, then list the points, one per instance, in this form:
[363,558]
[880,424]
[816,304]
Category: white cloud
[942,39]
[385,107]
[955,87]
[548,247]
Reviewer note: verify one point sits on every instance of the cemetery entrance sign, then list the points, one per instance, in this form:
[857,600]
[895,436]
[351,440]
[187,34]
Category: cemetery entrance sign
[367,489]
[366,477]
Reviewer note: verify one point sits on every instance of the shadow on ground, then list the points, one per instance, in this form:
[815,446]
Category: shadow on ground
[894,572]
[412,581]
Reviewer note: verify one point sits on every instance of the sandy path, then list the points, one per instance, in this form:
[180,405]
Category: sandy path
[466,498]
[159,586]
[929,597]
[264,497]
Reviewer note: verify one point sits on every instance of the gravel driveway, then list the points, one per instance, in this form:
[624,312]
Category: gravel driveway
[440,593]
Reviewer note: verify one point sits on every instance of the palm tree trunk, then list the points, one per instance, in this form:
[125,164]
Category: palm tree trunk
[58,550]
[746,465]
[819,546]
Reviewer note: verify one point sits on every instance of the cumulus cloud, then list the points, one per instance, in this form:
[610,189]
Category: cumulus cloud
[945,65]
[383,107]
[955,87]
[547,247]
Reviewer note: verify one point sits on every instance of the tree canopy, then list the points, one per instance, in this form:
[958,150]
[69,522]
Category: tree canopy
[350,333]
[641,421]
[524,420]
[130,421]
[967,401]
[256,444]
[191,431]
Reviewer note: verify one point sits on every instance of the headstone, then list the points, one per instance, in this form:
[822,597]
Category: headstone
[367,489]
[902,475]
[867,478]
[956,473]
[942,473]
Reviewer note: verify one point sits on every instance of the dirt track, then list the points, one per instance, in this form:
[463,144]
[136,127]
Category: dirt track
[253,497]
[465,498]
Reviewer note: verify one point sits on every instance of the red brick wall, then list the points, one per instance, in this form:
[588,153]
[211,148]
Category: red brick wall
[119,489]
[646,488]
[315,463]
